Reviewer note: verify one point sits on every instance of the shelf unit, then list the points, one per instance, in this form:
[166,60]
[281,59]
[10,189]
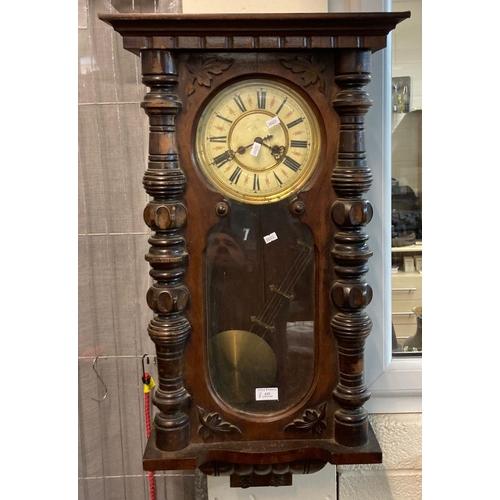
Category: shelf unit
[406,293]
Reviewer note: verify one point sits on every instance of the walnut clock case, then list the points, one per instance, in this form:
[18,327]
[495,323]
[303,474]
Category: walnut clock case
[257,175]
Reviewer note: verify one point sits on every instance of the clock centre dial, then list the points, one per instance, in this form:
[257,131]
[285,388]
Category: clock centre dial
[258,140]
[255,148]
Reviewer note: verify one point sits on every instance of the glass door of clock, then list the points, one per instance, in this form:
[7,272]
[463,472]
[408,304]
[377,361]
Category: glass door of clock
[259,279]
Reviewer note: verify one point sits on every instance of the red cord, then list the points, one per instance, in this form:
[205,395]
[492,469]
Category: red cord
[148,432]
[148,418]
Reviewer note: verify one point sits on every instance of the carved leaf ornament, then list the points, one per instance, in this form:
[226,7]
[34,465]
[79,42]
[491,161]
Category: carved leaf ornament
[312,420]
[311,72]
[212,424]
[203,70]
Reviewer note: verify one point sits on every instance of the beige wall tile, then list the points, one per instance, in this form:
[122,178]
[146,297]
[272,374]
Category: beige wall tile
[380,485]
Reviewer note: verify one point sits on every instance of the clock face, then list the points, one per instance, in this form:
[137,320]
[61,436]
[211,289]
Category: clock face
[258,141]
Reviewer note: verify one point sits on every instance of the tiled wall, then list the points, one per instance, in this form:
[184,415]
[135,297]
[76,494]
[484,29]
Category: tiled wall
[113,274]
[399,477]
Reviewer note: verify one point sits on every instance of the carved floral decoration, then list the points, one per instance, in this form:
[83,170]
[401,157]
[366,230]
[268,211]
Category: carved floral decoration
[310,71]
[212,424]
[277,480]
[245,481]
[313,420]
[203,70]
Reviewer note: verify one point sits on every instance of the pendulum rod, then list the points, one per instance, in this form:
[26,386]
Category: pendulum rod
[264,322]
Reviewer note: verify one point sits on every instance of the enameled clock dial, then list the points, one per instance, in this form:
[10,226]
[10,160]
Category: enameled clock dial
[258,141]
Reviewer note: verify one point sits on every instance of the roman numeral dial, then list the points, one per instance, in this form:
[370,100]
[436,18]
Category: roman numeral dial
[258,140]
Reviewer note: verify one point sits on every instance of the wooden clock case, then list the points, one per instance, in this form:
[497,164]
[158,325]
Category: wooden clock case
[185,60]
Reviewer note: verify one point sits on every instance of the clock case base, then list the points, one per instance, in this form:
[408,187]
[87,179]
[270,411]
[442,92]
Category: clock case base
[261,463]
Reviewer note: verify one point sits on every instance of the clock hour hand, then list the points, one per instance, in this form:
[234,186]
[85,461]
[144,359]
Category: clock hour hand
[242,149]
[224,157]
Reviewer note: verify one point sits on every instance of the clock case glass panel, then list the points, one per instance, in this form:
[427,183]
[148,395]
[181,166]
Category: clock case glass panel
[259,289]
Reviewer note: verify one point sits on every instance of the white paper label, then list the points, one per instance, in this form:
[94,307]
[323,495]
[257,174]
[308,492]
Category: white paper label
[255,149]
[272,122]
[266,394]
[270,237]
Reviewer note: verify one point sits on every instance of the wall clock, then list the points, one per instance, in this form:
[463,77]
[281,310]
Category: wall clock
[257,175]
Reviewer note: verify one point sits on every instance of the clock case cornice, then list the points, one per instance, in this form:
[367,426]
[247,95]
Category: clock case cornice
[236,32]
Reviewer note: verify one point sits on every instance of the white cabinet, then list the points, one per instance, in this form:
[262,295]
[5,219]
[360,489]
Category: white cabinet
[406,290]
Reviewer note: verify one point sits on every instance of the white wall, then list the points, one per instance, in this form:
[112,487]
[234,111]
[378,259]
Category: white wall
[407,48]
[253,6]
[407,127]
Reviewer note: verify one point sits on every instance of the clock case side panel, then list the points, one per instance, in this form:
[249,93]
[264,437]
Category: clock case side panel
[196,84]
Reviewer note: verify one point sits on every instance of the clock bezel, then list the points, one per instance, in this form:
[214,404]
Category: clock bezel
[305,181]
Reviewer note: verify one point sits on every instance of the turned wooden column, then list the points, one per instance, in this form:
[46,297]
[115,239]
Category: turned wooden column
[351,179]
[166,215]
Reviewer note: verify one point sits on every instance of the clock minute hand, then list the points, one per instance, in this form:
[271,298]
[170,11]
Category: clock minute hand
[260,140]
[276,151]
[242,149]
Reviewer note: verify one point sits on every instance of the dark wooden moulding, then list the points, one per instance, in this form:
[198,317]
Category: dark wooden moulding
[184,59]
